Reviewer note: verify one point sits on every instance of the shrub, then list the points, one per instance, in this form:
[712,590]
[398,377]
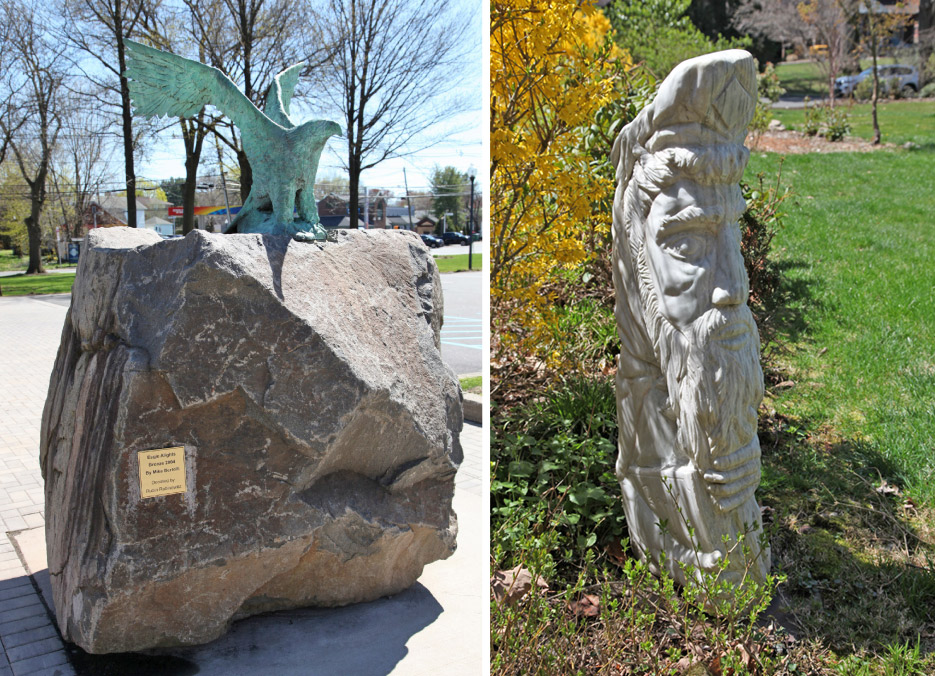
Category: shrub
[542,190]
[552,482]
[836,125]
[928,90]
[813,117]
[767,84]
[758,225]
[762,114]
[864,89]
[831,123]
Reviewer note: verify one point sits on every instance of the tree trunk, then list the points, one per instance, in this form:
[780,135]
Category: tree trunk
[246,175]
[876,82]
[127,117]
[193,134]
[188,197]
[832,72]
[353,198]
[34,231]
[926,29]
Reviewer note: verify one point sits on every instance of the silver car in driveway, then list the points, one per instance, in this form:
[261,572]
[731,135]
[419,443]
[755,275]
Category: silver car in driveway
[898,76]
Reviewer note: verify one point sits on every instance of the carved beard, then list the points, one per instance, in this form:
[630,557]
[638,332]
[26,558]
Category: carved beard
[721,387]
[714,391]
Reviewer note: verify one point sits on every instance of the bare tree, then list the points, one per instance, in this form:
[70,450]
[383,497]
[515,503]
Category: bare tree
[876,27]
[79,167]
[395,66]
[803,22]
[173,31]
[98,29]
[36,96]
[250,41]
[776,20]
[831,22]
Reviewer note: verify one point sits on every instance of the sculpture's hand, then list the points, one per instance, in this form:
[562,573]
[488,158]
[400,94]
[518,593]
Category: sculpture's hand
[734,478]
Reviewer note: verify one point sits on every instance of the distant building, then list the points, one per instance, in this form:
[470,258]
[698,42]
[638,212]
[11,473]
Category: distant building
[426,224]
[111,210]
[333,211]
[909,34]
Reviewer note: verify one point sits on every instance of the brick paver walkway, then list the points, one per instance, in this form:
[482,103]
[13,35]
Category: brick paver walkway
[30,330]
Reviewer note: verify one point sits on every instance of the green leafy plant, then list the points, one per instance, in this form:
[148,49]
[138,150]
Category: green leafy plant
[660,34]
[555,473]
[760,223]
[836,124]
[768,84]
[830,123]
[813,119]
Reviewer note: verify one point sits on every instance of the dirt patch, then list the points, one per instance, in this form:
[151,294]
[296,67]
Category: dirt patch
[796,143]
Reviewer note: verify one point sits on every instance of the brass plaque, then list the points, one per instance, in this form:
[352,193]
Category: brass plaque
[162,471]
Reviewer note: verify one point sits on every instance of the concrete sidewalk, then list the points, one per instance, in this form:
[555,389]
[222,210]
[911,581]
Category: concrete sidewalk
[434,627]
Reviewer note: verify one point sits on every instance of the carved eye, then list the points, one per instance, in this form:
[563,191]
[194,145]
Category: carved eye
[685,246]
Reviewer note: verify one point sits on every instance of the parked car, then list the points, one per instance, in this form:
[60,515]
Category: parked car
[432,241]
[451,237]
[898,76]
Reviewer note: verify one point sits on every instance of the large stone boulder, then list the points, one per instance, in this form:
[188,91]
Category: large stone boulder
[317,427]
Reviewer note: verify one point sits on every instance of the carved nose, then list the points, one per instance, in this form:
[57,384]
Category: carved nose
[726,297]
[730,278]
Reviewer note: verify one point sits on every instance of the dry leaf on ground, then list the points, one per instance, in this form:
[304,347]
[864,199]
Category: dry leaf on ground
[616,553]
[588,605]
[512,585]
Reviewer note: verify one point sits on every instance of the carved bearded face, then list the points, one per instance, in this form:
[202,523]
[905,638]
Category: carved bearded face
[692,274]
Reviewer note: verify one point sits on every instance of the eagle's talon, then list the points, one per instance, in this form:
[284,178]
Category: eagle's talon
[317,235]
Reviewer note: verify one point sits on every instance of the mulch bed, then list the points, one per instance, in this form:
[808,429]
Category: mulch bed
[796,143]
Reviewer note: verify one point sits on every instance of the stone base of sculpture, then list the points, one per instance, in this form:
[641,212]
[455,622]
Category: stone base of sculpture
[242,423]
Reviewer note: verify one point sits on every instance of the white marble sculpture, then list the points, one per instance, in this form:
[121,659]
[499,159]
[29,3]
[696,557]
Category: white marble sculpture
[689,380]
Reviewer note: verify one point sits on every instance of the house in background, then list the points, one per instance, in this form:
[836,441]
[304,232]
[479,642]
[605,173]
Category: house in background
[333,212]
[422,221]
[111,210]
[426,224]
[397,218]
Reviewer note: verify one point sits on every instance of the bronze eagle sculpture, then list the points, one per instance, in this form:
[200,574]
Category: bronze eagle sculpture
[284,156]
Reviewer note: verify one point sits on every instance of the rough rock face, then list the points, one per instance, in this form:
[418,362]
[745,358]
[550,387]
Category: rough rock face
[319,425]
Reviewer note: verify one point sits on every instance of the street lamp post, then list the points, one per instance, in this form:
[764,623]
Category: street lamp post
[472,174]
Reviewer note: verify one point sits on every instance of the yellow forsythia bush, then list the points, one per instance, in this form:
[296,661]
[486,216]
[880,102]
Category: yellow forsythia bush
[552,67]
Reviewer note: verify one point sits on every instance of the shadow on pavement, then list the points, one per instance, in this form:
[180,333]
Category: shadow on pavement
[365,639]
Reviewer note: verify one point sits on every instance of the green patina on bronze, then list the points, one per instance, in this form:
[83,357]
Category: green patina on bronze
[284,156]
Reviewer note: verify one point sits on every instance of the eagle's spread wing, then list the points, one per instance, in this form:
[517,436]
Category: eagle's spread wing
[280,94]
[162,83]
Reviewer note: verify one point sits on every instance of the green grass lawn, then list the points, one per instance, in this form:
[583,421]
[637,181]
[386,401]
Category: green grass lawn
[900,121]
[29,285]
[458,263]
[472,384]
[857,249]
[11,263]
[802,78]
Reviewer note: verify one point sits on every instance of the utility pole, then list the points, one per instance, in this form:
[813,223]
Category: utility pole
[227,202]
[472,174]
[408,201]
